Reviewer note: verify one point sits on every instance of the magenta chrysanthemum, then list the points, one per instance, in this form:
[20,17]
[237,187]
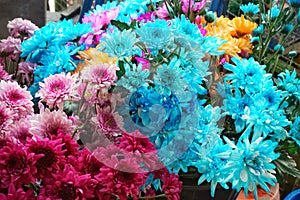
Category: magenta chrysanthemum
[119,181]
[55,89]
[10,49]
[69,145]
[17,165]
[21,27]
[172,186]
[16,98]
[15,193]
[52,155]
[69,184]
[49,123]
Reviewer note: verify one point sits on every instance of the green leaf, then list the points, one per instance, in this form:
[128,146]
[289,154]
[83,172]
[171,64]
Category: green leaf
[121,72]
[121,25]
[286,165]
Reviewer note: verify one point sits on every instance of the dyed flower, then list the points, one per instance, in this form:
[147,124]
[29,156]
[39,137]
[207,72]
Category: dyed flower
[123,180]
[17,165]
[55,89]
[288,28]
[16,193]
[242,26]
[16,98]
[294,3]
[51,156]
[171,186]
[192,5]
[21,130]
[289,82]
[10,49]
[119,44]
[273,13]
[252,164]
[49,123]
[258,30]
[6,118]
[70,184]
[250,8]
[21,27]
[295,130]
[162,12]
[210,16]
[25,70]
[100,76]
[3,74]
[279,48]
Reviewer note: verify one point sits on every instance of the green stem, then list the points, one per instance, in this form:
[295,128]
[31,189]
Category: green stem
[275,64]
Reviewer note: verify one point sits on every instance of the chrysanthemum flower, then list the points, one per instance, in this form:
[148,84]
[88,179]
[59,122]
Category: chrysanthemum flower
[52,155]
[55,89]
[6,118]
[10,47]
[119,181]
[26,70]
[172,186]
[17,165]
[69,184]
[49,123]
[3,74]
[252,164]
[15,193]
[21,27]
[21,130]
[70,147]
[16,98]
[242,26]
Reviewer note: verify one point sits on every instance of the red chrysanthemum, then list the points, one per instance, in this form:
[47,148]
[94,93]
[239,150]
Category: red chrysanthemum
[53,155]
[69,184]
[17,165]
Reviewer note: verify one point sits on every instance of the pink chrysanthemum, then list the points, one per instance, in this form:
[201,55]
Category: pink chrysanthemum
[21,27]
[10,48]
[6,118]
[17,165]
[49,123]
[3,74]
[69,184]
[119,181]
[102,76]
[172,186]
[26,70]
[14,193]
[16,98]
[99,23]
[21,130]
[162,12]
[55,89]
[141,148]
[52,156]
[194,6]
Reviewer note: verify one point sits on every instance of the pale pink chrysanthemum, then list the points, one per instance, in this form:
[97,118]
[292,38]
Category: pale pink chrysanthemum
[6,118]
[101,76]
[21,130]
[49,123]
[3,74]
[25,70]
[10,48]
[16,98]
[55,89]
[21,27]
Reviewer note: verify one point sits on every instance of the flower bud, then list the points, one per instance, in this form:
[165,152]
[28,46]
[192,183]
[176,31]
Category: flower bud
[258,30]
[288,28]
[293,54]
[254,40]
[279,48]
[210,17]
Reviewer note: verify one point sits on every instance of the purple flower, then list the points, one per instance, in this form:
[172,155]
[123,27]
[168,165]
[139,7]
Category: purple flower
[10,48]
[21,27]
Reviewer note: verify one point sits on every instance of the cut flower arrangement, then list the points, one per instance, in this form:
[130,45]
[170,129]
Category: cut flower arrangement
[142,91]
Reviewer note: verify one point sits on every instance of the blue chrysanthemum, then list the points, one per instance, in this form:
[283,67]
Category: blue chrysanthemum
[295,131]
[251,164]
[289,82]
[119,44]
[250,8]
[294,3]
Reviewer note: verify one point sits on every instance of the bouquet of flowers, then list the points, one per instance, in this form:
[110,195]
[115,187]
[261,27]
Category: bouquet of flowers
[118,106]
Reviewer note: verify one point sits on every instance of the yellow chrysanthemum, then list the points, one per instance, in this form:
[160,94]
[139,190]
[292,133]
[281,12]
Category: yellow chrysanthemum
[93,57]
[242,27]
